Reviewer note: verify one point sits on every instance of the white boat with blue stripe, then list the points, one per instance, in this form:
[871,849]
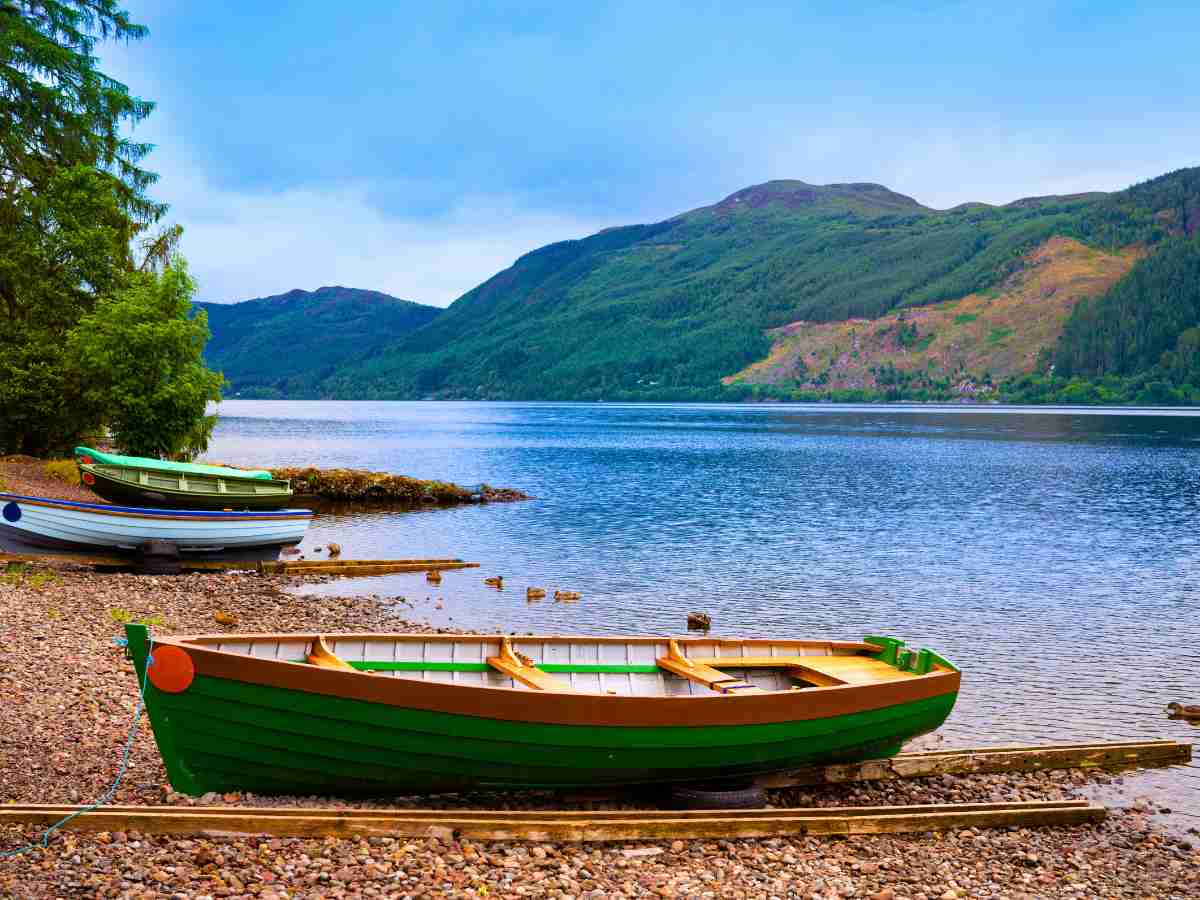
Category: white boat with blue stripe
[65,524]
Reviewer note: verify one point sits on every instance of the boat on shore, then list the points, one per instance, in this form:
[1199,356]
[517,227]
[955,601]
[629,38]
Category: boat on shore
[144,486]
[379,714]
[88,456]
[68,525]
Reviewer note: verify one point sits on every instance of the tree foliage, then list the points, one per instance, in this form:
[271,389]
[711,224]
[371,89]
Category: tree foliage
[73,203]
[138,355]
[57,110]
[1142,317]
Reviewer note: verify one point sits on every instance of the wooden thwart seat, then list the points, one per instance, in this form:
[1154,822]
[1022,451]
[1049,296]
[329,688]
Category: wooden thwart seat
[697,670]
[521,668]
[824,671]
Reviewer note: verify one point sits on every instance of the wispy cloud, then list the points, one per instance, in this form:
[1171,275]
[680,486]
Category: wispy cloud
[420,148]
[249,244]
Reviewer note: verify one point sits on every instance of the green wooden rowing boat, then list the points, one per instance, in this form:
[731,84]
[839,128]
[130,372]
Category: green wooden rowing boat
[158,488]
[89,456]
[383,714]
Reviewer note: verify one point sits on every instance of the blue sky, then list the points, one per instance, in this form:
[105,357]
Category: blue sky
[419,148]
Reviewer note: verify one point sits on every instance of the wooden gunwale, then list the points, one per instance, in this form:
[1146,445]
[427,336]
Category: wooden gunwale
[191,516]
[583,709]
[562,825]
[418,637]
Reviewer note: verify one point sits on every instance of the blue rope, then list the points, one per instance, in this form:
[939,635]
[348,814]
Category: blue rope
[44,841]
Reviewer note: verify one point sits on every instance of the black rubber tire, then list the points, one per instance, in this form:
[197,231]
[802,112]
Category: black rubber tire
[159,558]
[738,795]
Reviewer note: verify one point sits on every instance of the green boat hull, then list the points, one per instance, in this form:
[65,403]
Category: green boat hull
[226,735]
[235,494]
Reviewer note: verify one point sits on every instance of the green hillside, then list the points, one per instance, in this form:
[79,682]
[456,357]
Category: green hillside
[667,310]
[284,345]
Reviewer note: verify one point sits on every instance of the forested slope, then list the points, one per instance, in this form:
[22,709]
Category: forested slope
[283,345]
[671,310]
[667,310]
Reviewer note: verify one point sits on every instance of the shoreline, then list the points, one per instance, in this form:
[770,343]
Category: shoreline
[27,475]
[70,695]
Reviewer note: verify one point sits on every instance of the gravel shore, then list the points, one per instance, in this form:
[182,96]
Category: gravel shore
[26,475]
[68,696]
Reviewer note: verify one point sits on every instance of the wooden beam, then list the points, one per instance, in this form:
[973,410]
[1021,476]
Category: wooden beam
[346,567]
[358,567]
[993,760]
[521,668]
[559,825]
[336,563]
[677,663]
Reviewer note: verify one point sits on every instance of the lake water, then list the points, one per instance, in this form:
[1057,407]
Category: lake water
[1054,554]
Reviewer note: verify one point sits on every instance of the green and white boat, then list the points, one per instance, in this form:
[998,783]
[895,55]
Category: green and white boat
[382,714]
[140,481]
[88,456]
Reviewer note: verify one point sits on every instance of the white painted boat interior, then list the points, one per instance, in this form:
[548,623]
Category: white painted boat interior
[549,656]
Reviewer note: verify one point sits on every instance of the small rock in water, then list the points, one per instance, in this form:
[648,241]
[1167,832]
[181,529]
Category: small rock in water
[698,621]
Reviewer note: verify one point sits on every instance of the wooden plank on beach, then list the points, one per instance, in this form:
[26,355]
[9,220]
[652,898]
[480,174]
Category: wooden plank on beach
[341,563]
[357,567]
[992,760]
[346,567]
[561,825]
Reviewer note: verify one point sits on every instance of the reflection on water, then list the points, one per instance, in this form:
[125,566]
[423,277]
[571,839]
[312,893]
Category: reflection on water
[1052,553]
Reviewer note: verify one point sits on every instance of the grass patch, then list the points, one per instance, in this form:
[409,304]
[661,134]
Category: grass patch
[999,334]
[965,318]
[41,579]
[923,343]
[125,617]
[18,574]
[62,470]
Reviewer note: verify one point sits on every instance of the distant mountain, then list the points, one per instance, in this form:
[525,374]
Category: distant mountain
[785,290]
[285,344]
[669,310]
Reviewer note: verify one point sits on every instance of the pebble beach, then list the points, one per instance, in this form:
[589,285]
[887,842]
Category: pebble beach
[68,702]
